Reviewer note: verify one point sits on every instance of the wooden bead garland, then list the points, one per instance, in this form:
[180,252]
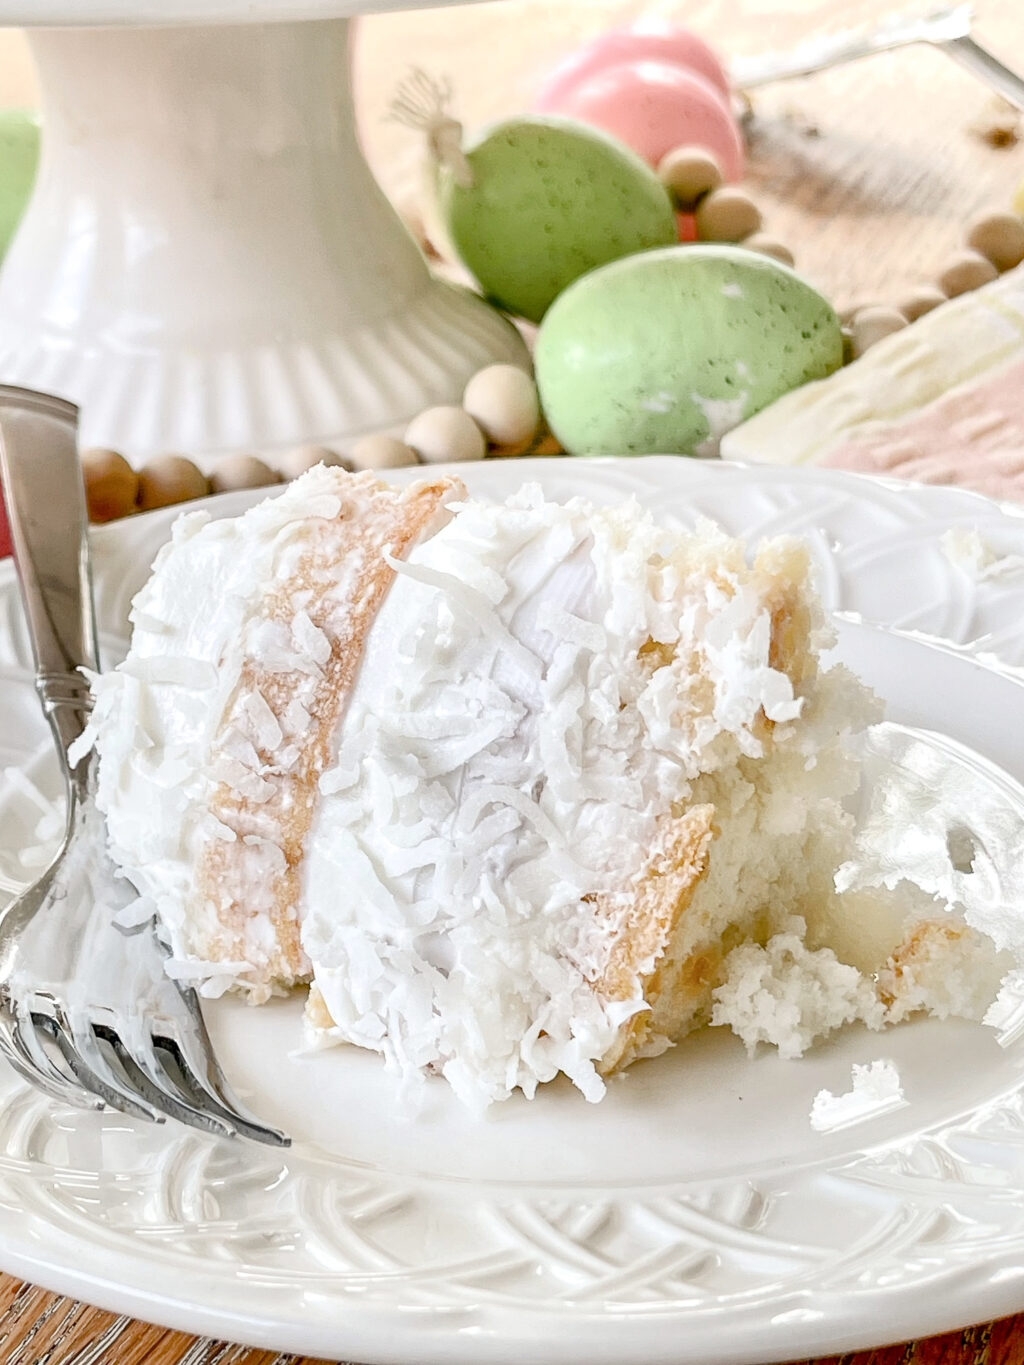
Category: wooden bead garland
[111,484]
[994,243]
[500,417]
[689,173]
[503,401]
[381,452]
[236,472]
[170,479]
[445,433]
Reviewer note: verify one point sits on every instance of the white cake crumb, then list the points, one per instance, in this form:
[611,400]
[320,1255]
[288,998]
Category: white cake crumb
[969,552]
[876,1090]
[1006,1013]
[945,968]
[789,995]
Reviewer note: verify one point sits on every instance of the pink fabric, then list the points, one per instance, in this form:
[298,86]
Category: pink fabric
[972,437]
[5,532]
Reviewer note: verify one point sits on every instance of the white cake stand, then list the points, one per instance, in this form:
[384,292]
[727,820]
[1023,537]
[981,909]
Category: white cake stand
[207,263]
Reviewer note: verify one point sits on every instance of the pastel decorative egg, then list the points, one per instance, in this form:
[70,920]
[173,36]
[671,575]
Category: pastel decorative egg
[651,40]
[550,200]
[665,352]
[656,106]
[19,158]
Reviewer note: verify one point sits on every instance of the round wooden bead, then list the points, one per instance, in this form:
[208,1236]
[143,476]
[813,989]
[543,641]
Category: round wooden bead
[293,463]
[999,237]
[966,271]
[111,484]
[170,479]
[381,452]
[768,246]
[235,472]
[727,215]
[870,325]
[921,301]
[503,401]
[445,433]
[689,173]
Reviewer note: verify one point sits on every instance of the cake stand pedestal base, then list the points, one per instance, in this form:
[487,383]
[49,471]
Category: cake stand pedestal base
[207,263]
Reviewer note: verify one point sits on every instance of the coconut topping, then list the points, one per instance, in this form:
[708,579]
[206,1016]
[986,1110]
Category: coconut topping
[499,777]
[526,790]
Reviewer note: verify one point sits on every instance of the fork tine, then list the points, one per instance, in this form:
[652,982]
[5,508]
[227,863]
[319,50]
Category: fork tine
[203,1094]
[21,1046]
[91,1069]
[198,1072]
[153,1083]
[207,1095]
[28,1072]
[29,1047]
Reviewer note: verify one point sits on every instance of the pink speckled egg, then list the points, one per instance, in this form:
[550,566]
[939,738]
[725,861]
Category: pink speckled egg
[651,40]
[654,107]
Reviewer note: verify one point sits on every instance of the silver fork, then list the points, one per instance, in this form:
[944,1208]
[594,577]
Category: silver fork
[87,1012]
[947,29]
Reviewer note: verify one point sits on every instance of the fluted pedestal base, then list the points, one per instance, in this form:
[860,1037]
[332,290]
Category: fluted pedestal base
[207,263]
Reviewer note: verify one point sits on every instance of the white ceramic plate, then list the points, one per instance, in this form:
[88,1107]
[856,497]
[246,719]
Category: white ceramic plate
[694,1215]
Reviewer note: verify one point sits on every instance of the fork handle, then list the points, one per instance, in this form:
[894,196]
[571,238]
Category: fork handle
[978,59]
[45,496]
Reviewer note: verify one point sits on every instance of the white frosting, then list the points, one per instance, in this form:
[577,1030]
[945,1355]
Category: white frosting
[505,755]
[158,713]
[539,691]
[504,760]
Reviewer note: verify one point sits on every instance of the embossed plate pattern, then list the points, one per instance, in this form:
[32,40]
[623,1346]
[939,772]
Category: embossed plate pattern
[693,1216]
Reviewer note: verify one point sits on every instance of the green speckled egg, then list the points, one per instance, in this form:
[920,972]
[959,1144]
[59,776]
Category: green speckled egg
[664,353]
[550,200]
[19,156]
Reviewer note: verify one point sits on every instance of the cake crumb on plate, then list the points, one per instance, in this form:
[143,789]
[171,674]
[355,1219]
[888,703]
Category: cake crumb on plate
[974,556]
[876,1090]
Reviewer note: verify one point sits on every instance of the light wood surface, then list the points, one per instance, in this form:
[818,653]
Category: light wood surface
[868,172]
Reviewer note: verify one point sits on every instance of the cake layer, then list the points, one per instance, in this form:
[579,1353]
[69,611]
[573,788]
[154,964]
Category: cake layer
[526,790]
[215,729]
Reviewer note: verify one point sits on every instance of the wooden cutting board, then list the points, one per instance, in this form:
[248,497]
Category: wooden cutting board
[37,1328]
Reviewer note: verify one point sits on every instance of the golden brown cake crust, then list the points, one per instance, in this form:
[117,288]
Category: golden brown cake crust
[662,896]
[666,886]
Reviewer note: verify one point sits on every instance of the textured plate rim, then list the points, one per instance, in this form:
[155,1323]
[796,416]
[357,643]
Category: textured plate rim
[847,1321]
